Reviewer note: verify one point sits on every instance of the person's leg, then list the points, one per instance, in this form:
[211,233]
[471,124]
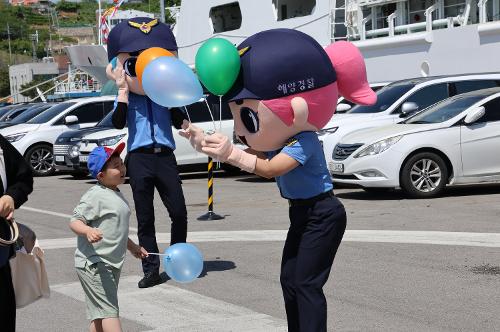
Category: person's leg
[96,325]
[319,243]
[111,325]
[141,174]
[288,266]
[7,300]
[168,184]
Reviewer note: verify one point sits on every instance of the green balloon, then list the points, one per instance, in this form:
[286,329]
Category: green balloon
[217,64]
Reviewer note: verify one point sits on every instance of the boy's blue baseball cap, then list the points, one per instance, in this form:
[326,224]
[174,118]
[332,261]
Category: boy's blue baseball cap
[100,155]
[139,33]
[280,62]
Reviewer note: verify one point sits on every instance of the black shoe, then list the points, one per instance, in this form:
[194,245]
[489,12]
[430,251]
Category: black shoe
[150,279]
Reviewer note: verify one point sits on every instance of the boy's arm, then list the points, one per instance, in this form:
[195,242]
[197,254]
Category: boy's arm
[136,250]
[80,228]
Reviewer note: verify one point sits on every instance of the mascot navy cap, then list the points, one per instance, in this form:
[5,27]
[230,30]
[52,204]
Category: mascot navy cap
[138,34]
[280,62]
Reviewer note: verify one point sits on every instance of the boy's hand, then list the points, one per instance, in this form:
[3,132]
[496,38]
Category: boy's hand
[94,235]
[138,252]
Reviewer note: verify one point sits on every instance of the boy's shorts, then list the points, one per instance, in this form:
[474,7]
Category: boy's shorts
[100,284]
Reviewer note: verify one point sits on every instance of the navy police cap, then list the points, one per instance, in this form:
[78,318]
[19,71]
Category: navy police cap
[280,62]
[138,34]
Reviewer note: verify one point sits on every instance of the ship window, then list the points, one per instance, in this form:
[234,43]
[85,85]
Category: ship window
[286,9]
[416,12]
[226,17]
[453,8]
[383,12]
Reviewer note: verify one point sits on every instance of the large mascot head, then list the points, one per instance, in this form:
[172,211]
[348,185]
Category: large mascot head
[129,38]
[288,83]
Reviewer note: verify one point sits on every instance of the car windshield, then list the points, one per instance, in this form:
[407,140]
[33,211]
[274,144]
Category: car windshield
[444,110]
[107,121]
[385,98]
[29,114]
[50,113]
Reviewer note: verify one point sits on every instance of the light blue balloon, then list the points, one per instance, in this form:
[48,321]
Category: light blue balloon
[183,262]
[170,82]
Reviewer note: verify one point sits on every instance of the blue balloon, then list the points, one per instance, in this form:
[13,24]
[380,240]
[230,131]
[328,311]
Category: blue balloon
[170,82]
[183,262]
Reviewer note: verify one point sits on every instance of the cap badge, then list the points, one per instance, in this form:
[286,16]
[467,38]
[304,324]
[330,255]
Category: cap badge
[144,27]
[243,51]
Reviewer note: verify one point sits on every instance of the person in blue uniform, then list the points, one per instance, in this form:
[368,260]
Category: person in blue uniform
[151,161]
[287,90]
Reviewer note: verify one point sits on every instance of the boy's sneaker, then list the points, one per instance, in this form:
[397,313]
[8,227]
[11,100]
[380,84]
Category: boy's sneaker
[150,279]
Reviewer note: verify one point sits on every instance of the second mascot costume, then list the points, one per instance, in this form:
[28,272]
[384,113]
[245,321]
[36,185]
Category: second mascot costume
[151,161]
[287,90]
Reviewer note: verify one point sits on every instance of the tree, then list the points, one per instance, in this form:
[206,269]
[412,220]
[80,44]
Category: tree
[4,81]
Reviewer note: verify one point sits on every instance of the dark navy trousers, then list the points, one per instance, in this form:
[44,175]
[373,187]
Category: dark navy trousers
[7,300]
[156,170]
[314,236]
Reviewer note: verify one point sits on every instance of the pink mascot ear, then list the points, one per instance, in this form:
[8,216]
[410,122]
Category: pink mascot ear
[351,73]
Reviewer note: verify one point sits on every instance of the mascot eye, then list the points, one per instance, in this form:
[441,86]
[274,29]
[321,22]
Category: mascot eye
[129,66]
[250,119]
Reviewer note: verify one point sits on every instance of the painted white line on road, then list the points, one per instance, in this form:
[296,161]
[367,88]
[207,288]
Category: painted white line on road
[57,214]
[169,308]
[373,236]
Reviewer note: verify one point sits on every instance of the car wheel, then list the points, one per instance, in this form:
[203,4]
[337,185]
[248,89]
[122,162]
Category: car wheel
[41,160]
[424,175]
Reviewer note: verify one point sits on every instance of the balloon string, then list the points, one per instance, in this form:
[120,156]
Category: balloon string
[187,112]
[220,113]
[153,253]
[211,115]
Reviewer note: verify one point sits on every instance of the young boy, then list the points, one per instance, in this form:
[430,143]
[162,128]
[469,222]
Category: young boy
[101,221]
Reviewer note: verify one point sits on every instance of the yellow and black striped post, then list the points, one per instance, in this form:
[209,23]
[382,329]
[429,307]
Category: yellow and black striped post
[210,215]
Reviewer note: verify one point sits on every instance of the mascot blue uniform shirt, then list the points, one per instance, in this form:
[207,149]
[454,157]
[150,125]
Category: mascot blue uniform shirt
[149,124]
[312,177]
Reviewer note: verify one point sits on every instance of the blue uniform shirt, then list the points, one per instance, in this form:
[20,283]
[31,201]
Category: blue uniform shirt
[311,177]
[149,124]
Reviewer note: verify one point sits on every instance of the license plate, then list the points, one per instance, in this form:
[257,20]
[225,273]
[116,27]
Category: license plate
[336,167]
[83,159]
[60,158]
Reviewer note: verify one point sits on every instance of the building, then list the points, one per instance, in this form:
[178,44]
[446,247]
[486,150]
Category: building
[84,35]
[26,72]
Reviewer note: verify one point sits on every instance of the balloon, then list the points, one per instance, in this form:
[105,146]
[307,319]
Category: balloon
[217,63]
[170,82]
[183,262]
[146,57]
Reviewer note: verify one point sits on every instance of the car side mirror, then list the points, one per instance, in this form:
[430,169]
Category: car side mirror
[71,120]
[408,108]
[342,108]
[474,114]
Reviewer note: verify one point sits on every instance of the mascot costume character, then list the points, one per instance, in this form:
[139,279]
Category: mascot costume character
[286,91]
[150,159]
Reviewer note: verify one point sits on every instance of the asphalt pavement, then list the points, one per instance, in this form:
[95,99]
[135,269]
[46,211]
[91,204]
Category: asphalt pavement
[404,264]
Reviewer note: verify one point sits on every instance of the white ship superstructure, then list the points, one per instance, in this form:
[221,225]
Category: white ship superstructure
[399,39]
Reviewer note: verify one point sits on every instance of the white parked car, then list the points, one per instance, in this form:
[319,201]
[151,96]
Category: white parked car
[35,138]
[456,141]
[399,100]
[77,154]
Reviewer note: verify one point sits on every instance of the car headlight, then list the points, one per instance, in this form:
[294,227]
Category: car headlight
[378,147]
[15,137]
[74,151]
[325,131]
[110,140]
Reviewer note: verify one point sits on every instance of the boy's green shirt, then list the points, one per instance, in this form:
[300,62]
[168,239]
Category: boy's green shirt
[108,210]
